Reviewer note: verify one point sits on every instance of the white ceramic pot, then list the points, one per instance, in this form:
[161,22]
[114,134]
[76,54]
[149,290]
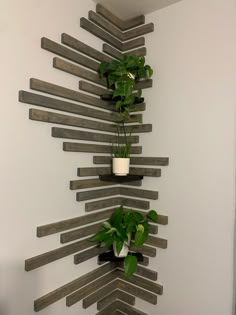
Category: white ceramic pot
[120,166]
[124,251]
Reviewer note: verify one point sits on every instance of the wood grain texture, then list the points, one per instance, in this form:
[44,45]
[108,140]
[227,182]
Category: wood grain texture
[95,171]
[116,201]
[137,291]
[80,233]
[112,296]
[50,117]
[99,294]
[120,308]
[85,49]
[105,36]
[141,271]
[55,254]
[134,160]
[90,288]
[67,53]
[113,52]
[60,226]
[72,286]
[93,183]
[95,148]
[65,106]
[145,250]
[157,242]
[88,254]
[89,136]
[121,24]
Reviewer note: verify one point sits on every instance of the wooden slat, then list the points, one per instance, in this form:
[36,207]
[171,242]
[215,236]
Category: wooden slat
[134,160]
[137,291]
[153,229]
[145,250]
[114,31]
[78,71]
[156,241]
[121,24]
[88,254]
[109,309]
[85,49]
[72,286]
[58,90]
[89,136]
[116,294]
[80,233]
[142,283]
[100,33]
[118,55]
[90,288]
[50,117]
[56,227]
[69,54]
[95,171]
[93,183]
[132,192]
[48,102]
[141,271]
[48,257]
[95,148]
[116,201]
[99,294]
[127,309]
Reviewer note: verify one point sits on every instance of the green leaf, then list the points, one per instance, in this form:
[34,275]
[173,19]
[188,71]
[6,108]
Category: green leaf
[138,217]
[139,239]
[119,245]
[116,218]
[106,225]
[130,265]
[152,215]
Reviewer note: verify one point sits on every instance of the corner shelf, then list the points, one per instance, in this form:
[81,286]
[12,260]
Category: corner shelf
[109,256]
[120,179]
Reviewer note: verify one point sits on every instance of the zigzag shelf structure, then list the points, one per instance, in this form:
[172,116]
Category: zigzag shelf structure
[105,285]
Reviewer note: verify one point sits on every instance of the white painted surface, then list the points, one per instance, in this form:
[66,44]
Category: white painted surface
[192,108]
[126,9]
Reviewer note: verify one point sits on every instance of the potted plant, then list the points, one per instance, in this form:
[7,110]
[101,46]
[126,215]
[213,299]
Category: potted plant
[121,77]
[121,153]
[122,228]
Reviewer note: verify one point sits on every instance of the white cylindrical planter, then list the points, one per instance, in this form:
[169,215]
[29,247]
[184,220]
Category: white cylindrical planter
[120,166]
[124,251]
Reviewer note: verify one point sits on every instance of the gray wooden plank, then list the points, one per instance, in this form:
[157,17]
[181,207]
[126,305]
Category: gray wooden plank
[80,233]
[50,256]
[67,53]
[89,136]
[111,297]
[72,286]
[111,51]
[156,241]
[95,148]
[65,106]
[55,118]
[134,160]
[95,171]
[109,309]
[153,229]
[88,254]
[85,49]
[126,191]
[145,250]
[90,288]
[100,33]
[142,283]
[78,71]
[116,201]
[141,271]
[127,309]
[63,225]
[121,24]
[139,31]
[137,291]
[93,183]
[99,294]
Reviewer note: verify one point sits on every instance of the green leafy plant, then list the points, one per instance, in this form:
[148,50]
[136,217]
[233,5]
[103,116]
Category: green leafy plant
[121,77]
[123,227]
[122,148]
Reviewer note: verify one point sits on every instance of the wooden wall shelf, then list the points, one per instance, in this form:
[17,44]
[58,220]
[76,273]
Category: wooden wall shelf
[120,179]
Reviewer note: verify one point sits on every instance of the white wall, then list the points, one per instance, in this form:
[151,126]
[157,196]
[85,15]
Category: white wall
[192,107]
[35,172]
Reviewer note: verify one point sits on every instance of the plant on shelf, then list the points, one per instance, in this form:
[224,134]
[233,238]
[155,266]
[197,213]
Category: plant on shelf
[120,230]
[121,77]
[121,152]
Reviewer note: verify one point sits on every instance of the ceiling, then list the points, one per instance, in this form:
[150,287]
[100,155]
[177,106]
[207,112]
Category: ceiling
[126,9]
